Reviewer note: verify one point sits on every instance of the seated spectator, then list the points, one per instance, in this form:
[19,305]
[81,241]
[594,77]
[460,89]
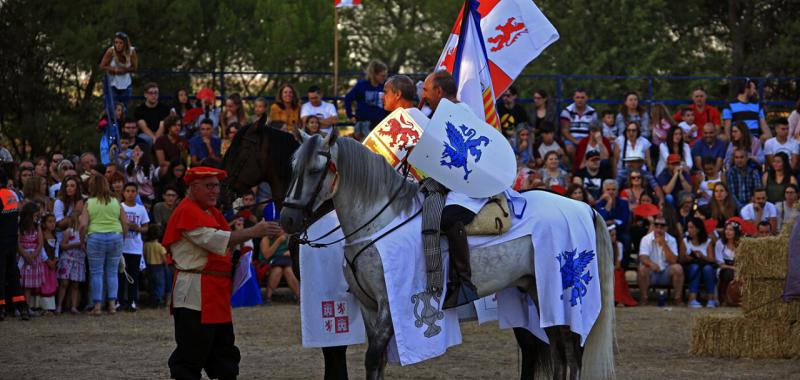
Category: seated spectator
[208,102]
[701,263]
[741,139]
[721,207]
[759,210]
[631,111]
[763,229]
[637,186]
[611,207]
[710,146]
[636,162]
[685,210]
[660,123]
[742,178]
[674,144]
[710,177]
[702,112]
[285,112]
[610,130]
[368,94]
[783,144]
[259,118]
[786,209]
[593,174]
[233,113]
[578,193]
[328,116]
[280,262]
[150,115]
[547,143]
[204,144]
[622,294]
[171,146]
[181,104]
[658,262]
[130,128]
[575,121]
[687,125]
[725,253]
[230,133]
[87,162]
[523,146]
[173,177]
[552,174]
[594,142]
[511,113]
[631,143]
[543,110]
[777,177]
[674,179]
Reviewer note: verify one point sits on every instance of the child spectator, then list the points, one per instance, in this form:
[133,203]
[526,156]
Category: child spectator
[523,148]
[49,256]
[154,256]
[547,144]
[29,247]
[259,118]
[705,189]
[71,268]
[368,95]
[142,172]
[660,123]
[700,263]
[132,247]
[763,229]
[688,125]
[610,130]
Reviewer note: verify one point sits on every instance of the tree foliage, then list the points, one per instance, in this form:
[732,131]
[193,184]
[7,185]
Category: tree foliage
[51,83]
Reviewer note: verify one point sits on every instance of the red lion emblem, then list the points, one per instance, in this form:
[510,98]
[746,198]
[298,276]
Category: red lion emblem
[401,136]
[506,30]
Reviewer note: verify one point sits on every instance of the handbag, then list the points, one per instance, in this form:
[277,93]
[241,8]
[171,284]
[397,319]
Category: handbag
[50,283]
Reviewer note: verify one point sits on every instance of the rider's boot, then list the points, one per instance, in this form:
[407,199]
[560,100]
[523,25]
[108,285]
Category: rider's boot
[460,290]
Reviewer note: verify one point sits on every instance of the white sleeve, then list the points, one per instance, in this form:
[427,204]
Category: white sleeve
[211,239]
[304,110]
[769,146]
[143,217]
[747,212]
[331,109]
[645,246]
[673,244]
[687,155]
[58,210]
[770,211]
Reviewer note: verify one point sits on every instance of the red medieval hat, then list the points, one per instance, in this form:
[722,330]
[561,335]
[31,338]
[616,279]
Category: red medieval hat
[199,172]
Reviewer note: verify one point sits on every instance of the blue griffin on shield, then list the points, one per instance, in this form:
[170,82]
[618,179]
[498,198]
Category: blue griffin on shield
[462,144]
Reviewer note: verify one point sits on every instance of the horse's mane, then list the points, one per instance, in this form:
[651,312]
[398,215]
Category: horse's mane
[281,148]
[359,168]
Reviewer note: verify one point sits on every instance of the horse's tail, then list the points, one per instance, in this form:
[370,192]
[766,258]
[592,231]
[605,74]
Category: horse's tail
[598,356]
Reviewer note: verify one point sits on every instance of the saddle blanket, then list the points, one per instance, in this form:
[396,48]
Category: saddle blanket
[329,315]
[562,232]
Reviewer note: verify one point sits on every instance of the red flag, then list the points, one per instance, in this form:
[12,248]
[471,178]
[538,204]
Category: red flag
[346,3]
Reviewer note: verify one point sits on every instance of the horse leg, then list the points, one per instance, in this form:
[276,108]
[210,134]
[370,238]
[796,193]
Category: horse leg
[557,352]
[535,354]
[572,351]
[335,362]
[379,330]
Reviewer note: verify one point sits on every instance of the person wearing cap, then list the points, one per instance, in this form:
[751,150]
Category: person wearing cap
[10,290]
[675,178]
[635,161]
[658,262]
[200,241]
[593,142]
[593,174]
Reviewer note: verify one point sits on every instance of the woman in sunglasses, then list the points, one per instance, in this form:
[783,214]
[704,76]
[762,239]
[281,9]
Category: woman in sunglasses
[119,62]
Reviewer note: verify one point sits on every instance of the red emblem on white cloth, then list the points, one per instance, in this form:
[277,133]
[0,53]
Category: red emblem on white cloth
[334,317]
[509,32]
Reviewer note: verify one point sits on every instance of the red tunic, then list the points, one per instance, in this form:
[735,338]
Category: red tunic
[215,289]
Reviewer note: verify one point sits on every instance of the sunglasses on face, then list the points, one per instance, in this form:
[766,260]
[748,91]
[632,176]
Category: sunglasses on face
[633,177]
[659,224]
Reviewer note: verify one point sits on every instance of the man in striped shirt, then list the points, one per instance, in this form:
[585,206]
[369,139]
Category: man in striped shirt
[575,121]
[745,108]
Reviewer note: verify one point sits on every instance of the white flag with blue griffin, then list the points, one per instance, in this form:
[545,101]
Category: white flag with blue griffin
[464,153]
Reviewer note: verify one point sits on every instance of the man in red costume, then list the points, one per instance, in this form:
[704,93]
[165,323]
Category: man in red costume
[199,240]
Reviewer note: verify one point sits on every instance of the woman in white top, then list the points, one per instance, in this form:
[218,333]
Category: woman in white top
[673,144]
[786,209]
[705,190]
[725,252]
[119,62]
[742,139]
[631,142]
[700,263]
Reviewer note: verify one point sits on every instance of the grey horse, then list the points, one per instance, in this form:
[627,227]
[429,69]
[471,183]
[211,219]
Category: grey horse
[361,184]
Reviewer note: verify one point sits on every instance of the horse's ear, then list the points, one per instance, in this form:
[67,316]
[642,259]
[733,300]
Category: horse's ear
[303,135]
[331,138]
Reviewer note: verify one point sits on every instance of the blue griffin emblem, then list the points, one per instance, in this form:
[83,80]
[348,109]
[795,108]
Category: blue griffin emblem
[573,266]
[462,145]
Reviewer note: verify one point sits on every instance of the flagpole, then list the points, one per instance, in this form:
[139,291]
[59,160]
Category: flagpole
[335,49]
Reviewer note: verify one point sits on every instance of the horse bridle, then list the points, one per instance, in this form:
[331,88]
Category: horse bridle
[297,188]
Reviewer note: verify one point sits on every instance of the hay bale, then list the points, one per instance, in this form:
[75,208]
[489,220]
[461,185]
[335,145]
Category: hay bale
[764,257]
[735,337]
[761,300]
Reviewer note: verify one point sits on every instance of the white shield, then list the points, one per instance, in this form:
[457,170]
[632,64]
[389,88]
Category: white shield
[395,135]
[464,153]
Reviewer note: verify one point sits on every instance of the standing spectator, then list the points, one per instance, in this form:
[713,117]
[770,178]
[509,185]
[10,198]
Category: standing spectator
[142,172]
[631,111]
[53,176]
[163,210]
[786,209]
[674,179]
[658,262]
[29,247]
[88,162]
[103,221]
[69,203]
[688,125]
[117,182]
[593,142]
[725,253]
[759,210]
[286,109]
[674,144]
[35,191]
[155,257]
[741,139]
[702,112]
[511,113]
[119,61]
[204,144]
[40,167]
[552,174]
[575,120]
[543,110]
[593,174]
[721,207]
[794,121]
[547,143]
[171,146]
[631,143]
[777,177]
[710,146]
[325,111]
[368,95]
[150,115]
[234,112]
[701,263]
[746,108]
[71,268]
[49,256]
[782,143]
[523,146]
[62,168]
[709,179]
[11,293]
[132,247]
[742,178]
[660,123]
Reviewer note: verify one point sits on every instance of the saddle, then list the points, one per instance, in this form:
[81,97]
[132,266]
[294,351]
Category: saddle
[493,218]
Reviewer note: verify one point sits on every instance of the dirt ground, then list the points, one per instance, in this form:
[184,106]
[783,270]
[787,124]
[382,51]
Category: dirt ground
[653,344]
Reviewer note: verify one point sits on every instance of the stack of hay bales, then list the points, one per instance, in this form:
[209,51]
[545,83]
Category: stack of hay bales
[768,328]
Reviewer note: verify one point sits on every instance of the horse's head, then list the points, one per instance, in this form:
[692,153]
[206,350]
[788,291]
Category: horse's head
[314,180]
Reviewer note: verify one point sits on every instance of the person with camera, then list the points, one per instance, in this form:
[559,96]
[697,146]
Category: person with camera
[674,179]
[700,263]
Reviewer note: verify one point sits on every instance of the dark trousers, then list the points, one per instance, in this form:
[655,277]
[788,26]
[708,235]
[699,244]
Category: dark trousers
[455,213]
[127,292]
[10,290]
[208,347]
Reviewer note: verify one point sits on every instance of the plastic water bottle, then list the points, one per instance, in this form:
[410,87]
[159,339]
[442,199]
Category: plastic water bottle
[662,297]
